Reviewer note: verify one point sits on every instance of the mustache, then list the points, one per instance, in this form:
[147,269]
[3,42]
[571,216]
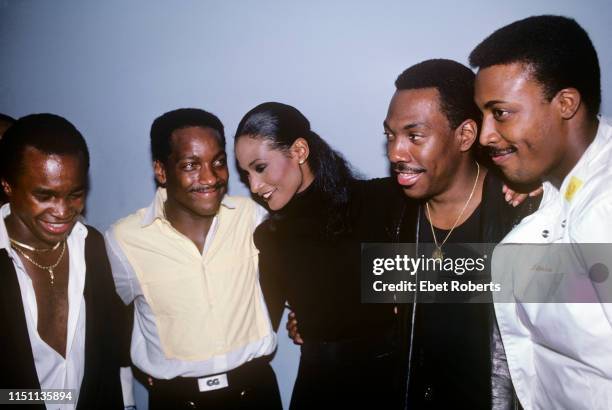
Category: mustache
[404,167]
[210,187]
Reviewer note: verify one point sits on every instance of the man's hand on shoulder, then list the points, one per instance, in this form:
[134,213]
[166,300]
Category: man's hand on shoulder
[292,329]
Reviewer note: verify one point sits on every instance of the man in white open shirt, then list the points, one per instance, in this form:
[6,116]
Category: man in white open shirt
[188,263]
[59,309]
[538,86]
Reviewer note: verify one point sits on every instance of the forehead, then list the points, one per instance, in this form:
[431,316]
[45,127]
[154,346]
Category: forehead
[506,82]
[249,146]
[415,106]
[195,141]
[50,171]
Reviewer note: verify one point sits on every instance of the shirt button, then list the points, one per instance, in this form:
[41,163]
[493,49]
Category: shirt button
[428,395]
[190,405]
[563,223]
[545,233]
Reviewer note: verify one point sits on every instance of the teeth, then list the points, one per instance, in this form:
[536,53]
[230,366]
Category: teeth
[56,225]
[498,152]
[267,195]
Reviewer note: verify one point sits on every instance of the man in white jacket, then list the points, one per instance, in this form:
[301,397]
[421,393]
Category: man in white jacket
[538,86]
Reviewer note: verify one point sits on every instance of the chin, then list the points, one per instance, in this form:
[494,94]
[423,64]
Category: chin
[520,179]
[209,211]
[52,239]
[414,194]
[272,207]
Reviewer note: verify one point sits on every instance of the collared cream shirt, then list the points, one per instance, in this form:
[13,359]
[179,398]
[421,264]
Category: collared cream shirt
[196,313]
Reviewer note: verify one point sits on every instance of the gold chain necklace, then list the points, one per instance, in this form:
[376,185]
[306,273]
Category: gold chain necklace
[437,253]
[47,268]
[33,249]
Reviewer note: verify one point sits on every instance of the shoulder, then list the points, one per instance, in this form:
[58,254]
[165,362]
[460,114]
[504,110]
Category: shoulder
[94,235]
[590,219]
[376,192]
[129,224]
[377,185]
[243,209]
[240,203]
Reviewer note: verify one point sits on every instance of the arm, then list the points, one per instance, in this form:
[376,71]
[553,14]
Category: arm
[591,231]
[272,287]
[123,273]
[270,279]
[123,277]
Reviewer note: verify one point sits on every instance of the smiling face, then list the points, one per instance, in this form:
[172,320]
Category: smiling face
[521,129]
[275,175]
[195,174]
[421,146]
[46,198]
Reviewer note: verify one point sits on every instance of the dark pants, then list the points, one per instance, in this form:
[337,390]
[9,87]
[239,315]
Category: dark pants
[251,386]
[360,374]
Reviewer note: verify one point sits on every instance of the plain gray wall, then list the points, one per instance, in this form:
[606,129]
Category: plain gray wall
[111,67]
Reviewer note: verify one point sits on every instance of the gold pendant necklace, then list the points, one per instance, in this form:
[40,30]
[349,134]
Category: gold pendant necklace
[437,252]
[48,268]
[33,249]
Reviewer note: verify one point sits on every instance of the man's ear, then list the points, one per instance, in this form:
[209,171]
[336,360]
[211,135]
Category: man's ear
[160,172]
[568,101]
[300,150]
[466,133]
[6,187]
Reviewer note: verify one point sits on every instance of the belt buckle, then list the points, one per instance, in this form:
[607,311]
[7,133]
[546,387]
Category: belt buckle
[210,383]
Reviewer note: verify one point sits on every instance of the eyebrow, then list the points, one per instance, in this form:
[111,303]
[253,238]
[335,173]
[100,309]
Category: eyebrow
[44,191]
[51,192]
[407,126]
[197,158]
[491,103]
[254,161]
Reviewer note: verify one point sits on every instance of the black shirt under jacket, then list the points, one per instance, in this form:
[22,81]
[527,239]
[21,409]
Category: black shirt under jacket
[386,215]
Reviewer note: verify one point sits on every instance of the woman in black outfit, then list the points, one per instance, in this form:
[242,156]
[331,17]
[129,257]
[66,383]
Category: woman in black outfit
[309,257]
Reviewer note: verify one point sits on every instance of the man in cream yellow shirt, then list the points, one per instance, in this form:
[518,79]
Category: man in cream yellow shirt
[188,263]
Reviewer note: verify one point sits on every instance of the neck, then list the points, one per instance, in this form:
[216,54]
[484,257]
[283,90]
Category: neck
[307,178]
[447,205]
[458,190]
[194,227]
[578,135]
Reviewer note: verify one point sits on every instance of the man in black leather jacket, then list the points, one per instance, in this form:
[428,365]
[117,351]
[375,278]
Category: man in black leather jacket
[442,193]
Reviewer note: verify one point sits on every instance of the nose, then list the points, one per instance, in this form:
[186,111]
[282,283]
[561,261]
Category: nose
[398,150]
[255,184]
[488,133]
[208,176]
[63,209]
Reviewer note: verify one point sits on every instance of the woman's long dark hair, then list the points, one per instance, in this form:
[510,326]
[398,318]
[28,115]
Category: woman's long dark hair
[281,125]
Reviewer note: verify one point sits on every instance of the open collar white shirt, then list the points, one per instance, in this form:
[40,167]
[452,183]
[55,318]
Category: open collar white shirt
[53,370]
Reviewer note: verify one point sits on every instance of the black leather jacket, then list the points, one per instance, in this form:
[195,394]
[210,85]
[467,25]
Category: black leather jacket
[386,215]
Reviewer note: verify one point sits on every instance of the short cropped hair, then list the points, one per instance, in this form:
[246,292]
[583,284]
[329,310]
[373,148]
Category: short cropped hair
[454,82]
[557,50]
[164,125]
[6,119]
[47,133]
